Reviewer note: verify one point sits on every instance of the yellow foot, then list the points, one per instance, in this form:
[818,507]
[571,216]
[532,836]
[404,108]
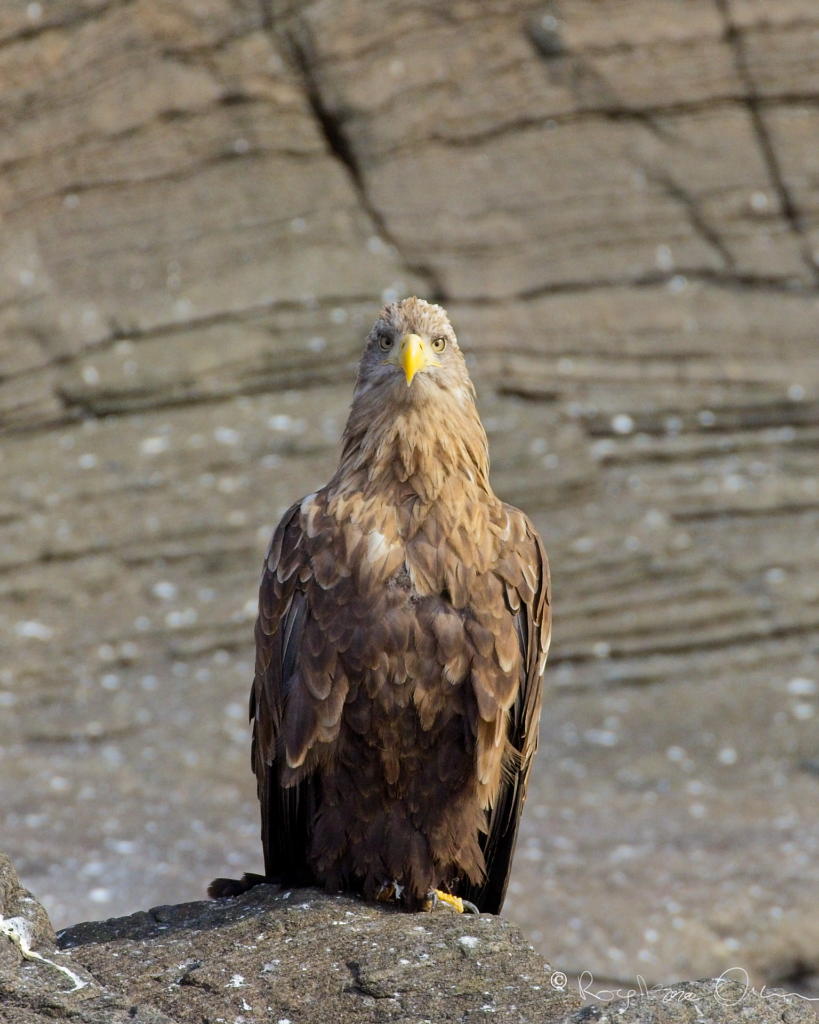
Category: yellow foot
[462,906]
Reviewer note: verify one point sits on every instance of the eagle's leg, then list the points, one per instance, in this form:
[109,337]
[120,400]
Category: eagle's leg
[394,891]
[462,906]
[390,891]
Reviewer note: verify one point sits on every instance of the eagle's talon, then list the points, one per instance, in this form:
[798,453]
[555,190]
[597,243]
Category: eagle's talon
[462,906]
[390,891]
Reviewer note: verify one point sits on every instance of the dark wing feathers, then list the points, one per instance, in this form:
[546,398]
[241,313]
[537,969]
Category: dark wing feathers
[533,624]
[286,812]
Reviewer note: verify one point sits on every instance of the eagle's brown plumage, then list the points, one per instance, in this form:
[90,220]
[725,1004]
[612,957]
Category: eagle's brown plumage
[402,633]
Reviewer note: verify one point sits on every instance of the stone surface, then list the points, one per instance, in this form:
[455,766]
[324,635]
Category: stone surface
[719,1000]
[40,983]
[566,146]
[17,902]
[202,206]
[308,956]
[305,956]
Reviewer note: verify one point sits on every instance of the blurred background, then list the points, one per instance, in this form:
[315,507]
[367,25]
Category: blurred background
[203,204]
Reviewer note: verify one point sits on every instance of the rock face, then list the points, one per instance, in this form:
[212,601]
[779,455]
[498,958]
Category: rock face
[39,983]
[202,205]
[306,956]
[310,957]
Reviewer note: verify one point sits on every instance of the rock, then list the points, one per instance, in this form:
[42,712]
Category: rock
[38,982]
[312,957]
[17,902]
[716,1000]
[542,163]
[309,957]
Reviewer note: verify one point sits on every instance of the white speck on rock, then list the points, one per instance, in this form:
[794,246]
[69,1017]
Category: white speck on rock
[227,435]
[622,423]
[280,422]
[32,630]
[600,737]
[664,257]
[178,619]
[154,445]
[470,941]
[801,687]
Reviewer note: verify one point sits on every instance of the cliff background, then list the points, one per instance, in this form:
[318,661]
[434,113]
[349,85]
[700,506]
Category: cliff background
[203,203]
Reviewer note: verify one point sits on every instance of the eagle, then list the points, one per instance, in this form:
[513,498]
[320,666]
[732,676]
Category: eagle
[403,626]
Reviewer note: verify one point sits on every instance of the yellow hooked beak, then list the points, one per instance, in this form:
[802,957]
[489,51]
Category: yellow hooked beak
[413,356]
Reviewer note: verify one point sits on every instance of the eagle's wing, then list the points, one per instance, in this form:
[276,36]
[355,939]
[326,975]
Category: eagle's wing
[286,812]
[524,570]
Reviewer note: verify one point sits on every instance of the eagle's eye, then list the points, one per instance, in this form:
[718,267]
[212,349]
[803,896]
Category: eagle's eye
[386,343]
[439,345]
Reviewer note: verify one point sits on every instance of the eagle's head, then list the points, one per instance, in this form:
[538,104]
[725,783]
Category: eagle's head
[413,418]
[412,355]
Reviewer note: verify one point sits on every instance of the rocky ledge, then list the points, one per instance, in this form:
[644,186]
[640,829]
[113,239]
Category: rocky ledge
[304,956]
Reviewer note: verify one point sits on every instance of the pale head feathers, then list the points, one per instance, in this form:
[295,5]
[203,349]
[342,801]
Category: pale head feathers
[419,433]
